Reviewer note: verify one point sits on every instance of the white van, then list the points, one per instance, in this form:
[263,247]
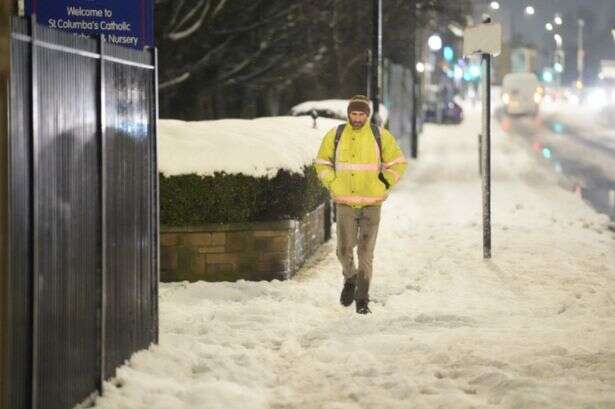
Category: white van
[521,93]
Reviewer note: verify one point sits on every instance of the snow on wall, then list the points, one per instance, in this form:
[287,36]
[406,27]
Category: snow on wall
[258,147]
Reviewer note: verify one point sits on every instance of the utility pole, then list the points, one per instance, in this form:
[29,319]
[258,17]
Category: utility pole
[413,130]
[580,54]
[560,59]
[376,77]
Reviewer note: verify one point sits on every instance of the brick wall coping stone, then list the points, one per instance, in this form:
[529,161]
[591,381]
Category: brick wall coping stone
[276,225]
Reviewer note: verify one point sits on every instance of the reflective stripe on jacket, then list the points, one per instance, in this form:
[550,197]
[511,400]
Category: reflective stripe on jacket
[351,173]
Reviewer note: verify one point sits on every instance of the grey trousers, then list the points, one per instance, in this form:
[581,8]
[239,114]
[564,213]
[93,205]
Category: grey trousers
[357,227]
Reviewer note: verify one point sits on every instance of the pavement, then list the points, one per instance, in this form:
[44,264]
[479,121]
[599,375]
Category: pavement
[532,327]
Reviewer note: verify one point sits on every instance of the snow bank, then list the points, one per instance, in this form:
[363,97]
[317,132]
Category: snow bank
[256,147]
[531,328]
[335,107]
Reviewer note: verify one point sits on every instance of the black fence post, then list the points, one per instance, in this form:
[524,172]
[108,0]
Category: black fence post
[64,125]
[156,207]
[33,205]
[102,324]
[5,296]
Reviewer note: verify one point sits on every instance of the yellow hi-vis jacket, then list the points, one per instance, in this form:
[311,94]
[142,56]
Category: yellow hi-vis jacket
[351,173]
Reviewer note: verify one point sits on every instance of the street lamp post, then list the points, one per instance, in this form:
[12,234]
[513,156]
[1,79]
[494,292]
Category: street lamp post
[558,40]
[580,54]
[414,67]
[434,44]
[376,79]
[558,64]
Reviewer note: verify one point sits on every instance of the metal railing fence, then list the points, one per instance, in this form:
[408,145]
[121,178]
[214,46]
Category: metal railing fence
[82,197]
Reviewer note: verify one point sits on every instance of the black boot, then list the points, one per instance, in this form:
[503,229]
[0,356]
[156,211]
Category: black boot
[362,307]
[347,296]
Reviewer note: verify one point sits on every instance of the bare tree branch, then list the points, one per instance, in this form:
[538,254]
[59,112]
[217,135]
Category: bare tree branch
[193,11]
[251,27]
[203,61]
[219,7]
[298,48]
[188,15]
[178,35]
[255,74]
[175,81]
[176,14]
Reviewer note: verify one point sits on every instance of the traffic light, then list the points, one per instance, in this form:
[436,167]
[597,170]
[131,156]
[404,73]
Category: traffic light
[448,53]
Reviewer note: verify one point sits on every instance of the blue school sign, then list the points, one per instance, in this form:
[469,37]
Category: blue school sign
[124,22]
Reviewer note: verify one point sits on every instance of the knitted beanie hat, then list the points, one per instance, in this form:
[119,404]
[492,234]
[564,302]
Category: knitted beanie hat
[359,103]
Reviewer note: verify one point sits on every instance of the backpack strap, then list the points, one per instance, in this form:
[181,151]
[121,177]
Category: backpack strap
[376,132]
[338,135]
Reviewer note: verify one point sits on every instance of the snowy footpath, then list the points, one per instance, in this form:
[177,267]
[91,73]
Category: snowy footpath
[532,328]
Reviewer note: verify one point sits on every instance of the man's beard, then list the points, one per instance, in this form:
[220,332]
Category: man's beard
[357,124]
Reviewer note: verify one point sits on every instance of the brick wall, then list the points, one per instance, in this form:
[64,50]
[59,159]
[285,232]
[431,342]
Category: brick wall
[249,251]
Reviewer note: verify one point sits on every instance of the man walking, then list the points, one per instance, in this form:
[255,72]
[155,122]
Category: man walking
[359,163]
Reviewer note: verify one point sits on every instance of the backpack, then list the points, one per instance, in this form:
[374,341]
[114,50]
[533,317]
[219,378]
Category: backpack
[376,133]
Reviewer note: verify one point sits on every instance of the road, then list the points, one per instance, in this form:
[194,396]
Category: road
[578,143]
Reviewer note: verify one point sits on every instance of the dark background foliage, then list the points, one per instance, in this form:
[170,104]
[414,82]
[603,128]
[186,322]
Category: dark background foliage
[248,58]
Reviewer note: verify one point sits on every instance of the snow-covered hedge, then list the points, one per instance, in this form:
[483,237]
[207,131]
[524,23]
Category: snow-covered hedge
[233,170]
[258,147]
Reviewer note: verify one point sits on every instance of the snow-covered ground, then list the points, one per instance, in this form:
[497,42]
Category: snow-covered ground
[531,328]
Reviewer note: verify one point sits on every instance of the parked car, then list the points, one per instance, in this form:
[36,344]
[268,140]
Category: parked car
[521,93]
[439,104]
[446,113]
